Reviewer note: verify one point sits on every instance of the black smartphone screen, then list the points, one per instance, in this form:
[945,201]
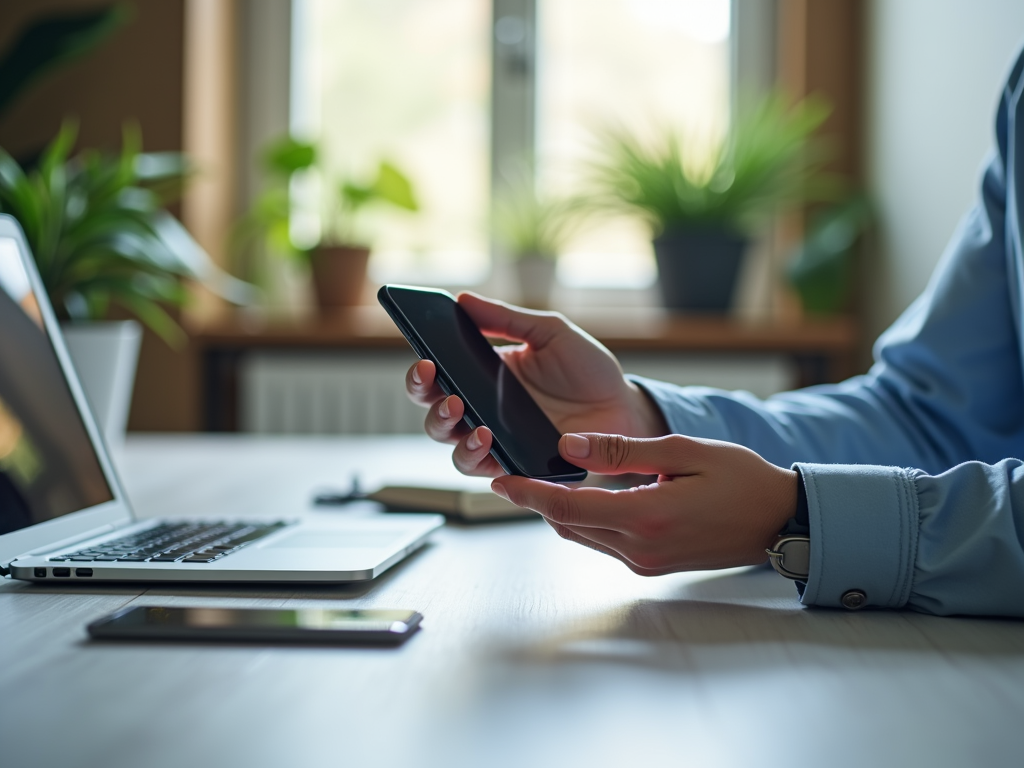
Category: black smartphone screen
[525,440]
[257,624]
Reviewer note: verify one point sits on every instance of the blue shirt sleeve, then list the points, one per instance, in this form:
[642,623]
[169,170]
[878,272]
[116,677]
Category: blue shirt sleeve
[945,398]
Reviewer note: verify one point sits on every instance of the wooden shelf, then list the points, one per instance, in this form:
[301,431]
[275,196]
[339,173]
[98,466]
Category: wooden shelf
[619,329]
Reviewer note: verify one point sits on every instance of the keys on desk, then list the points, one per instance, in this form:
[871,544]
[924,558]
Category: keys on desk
[176,543]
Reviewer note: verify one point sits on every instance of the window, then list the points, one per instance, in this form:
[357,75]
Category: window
[632,62]
[408,81]
[455,91]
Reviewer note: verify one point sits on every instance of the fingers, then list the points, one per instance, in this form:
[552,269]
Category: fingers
[673,456]
[421,385]
[472,454]
[576,507]
[444,423]
[581,537]
[495,318]
[444,420]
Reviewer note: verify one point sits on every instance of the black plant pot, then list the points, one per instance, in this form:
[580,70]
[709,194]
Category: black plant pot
[698,268]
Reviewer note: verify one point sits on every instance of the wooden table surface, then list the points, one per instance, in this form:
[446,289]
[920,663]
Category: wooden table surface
[533,652]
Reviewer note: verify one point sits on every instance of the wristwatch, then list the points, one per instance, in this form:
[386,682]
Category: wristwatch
[790,555]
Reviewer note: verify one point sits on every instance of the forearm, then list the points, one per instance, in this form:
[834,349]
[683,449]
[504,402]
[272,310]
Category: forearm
[849,423]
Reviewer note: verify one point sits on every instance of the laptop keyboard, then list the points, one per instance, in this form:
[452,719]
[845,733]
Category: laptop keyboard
[176,543]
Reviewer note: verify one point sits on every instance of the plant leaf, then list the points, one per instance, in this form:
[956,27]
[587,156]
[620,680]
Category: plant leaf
[769,160]
[393,187]
[156,318]
[287,155]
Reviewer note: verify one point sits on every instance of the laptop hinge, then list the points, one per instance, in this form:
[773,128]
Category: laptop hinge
[92,533]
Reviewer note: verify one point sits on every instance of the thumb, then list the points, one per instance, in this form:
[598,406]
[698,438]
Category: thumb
[501,320]
[615,455]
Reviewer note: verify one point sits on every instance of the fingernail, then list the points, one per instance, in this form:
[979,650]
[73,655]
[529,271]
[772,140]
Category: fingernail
[416,375]
[443,410]
[577,446]
[499,489]
[473,441]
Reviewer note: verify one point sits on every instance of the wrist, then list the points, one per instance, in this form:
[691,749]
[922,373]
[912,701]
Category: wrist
[647,418]
[790,550]
[782,503]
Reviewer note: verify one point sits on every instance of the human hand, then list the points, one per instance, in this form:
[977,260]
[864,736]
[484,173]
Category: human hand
[576,381]
[715,504]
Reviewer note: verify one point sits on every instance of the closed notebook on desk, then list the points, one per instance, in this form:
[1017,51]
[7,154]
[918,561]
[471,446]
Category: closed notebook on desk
[464,504]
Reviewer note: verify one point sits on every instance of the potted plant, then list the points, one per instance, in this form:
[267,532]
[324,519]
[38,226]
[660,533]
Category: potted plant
[101,237]
[338,261]
[532,229]
[821,268]
[702,201]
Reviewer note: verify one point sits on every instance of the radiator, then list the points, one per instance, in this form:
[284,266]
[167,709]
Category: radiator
[364,393]
[326,393]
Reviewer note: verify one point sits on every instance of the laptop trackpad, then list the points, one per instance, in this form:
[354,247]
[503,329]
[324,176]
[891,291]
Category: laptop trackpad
[335,540]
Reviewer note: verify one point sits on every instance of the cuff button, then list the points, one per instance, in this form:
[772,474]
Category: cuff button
[854,599]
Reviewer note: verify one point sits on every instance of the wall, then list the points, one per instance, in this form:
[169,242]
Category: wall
[137,73]
[934,71]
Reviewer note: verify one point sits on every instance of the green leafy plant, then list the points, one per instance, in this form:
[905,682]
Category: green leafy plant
[768,160]
[100,235]
[531,224]
[270,216]
[821,267]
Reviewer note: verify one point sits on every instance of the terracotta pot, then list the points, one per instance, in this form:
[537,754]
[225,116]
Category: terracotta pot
[339,274]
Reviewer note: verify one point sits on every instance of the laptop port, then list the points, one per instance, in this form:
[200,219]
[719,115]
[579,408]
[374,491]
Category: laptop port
[39,573]
[83,571]
[62,572]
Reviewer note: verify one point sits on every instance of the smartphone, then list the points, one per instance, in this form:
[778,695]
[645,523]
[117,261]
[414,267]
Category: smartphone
[303,625]
[525,440]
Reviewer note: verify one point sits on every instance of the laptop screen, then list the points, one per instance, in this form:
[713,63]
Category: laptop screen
[48,466]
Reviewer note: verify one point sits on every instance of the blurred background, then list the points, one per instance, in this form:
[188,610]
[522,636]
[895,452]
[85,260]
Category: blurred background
[737,193]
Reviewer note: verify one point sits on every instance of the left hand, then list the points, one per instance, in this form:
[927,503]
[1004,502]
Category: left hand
[714,505]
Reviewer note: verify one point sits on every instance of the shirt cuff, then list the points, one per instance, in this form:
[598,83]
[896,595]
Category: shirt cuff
[685,412]
[864,525]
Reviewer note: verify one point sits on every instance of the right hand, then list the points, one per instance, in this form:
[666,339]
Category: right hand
[576,381]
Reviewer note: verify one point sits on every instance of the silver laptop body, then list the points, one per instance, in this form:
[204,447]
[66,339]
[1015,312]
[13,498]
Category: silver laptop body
[60,495]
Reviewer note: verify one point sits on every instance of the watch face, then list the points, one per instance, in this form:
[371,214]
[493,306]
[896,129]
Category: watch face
[791,556]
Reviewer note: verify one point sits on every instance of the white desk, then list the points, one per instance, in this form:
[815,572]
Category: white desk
[534,652]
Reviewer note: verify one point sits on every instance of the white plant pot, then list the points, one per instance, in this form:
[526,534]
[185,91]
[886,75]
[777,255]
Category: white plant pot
[536,277]
[105,355]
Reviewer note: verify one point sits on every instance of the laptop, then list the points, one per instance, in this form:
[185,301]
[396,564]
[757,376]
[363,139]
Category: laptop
[64,516]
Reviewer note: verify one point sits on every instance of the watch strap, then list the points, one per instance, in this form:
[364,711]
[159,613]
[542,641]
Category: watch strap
[791,556]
